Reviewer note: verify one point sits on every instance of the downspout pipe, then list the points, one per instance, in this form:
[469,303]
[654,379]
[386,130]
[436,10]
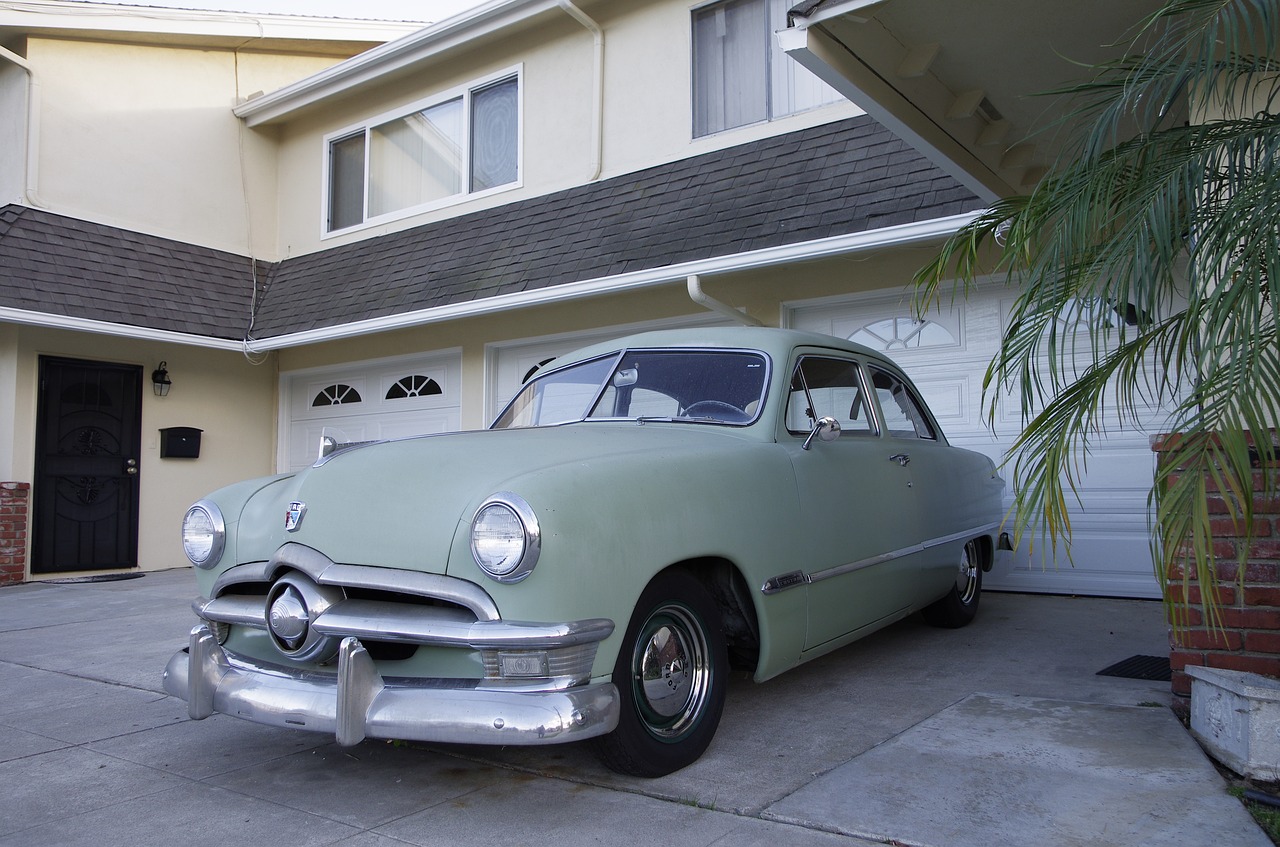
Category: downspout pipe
[597,86]
[697,295]
[32,169]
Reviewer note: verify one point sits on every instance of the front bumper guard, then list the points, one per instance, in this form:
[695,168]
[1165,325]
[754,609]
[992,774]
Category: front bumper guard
[360,704]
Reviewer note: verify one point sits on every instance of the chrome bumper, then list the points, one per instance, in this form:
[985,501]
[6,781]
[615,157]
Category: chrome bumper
[359,704]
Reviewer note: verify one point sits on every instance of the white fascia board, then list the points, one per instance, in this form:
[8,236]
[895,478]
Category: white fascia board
[390,57]
[856,9]
[876,239]
[151,20]
[835,65]
[137,333]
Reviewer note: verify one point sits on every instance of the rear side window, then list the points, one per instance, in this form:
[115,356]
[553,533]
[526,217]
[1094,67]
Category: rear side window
[904,415]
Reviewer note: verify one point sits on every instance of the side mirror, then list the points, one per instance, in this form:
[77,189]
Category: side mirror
[827,429]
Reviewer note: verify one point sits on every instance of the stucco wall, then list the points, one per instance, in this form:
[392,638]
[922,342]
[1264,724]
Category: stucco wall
[219,392]
[142,136]
[647,112]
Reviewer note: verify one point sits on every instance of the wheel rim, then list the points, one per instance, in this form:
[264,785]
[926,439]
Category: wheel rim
[670,671]
[967,576]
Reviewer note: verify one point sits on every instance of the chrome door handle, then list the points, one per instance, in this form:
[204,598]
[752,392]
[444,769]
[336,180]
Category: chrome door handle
[901,458]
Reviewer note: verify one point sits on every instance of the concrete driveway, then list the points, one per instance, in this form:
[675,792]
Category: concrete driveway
[1000,733]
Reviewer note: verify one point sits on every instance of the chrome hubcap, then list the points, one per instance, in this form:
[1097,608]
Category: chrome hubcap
[671,671]
[967,576]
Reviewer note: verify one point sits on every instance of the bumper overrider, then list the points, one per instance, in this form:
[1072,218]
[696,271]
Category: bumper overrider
[535,690]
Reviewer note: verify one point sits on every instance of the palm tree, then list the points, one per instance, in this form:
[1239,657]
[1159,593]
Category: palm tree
[1159,227]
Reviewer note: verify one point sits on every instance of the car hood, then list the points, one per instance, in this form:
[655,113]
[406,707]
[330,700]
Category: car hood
[407,503]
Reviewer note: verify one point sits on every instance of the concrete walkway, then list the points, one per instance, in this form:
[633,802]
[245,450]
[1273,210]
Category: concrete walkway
[997,734]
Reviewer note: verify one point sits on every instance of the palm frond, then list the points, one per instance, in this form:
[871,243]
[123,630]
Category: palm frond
[1146,266]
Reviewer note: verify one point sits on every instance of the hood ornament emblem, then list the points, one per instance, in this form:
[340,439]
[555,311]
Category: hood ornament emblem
[293,516]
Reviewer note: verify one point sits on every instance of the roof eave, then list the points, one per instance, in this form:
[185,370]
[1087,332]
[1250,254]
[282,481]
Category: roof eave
[138,333]
[391,57]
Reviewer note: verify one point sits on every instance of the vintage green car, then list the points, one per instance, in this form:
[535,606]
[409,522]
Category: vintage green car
[643,515]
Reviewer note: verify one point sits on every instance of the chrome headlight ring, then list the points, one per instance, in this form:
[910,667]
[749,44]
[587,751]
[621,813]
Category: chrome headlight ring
[204,534]
[505,537]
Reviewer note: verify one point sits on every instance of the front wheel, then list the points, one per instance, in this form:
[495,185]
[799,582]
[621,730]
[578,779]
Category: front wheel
[671,675]
[959,606]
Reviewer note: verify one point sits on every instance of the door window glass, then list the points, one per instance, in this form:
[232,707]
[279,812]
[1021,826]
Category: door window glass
[823,387]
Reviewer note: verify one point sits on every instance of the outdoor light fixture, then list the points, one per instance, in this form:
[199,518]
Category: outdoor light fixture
[160,381]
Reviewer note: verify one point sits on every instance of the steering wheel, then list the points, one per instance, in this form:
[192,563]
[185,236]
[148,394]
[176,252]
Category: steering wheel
[716,410]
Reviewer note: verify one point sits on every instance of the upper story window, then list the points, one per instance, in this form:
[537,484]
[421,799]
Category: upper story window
[462,143]
[740,75]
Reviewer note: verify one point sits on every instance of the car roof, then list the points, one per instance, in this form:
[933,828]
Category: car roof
[778,343]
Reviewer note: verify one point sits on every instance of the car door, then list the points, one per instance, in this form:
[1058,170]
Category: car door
[857,518]
[944,519]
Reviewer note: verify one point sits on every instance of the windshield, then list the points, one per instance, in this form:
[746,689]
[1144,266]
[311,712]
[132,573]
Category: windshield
[698,386]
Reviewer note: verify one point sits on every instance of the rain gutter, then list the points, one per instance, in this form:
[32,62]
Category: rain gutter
[31,171]
[597,85]
[140,333]
[877,239]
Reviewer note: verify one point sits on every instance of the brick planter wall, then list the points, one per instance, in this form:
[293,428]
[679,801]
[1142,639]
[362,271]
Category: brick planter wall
[13,531]
[1249,636]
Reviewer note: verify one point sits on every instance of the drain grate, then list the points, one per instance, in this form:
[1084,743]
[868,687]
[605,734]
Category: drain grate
[1140,667]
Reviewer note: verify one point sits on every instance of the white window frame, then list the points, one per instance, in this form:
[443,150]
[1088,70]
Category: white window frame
[771,108]
[464,92]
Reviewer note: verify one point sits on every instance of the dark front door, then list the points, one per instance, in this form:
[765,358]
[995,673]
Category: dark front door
[88,442]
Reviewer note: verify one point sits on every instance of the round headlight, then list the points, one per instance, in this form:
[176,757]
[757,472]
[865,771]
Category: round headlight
[203,534]
[505,539]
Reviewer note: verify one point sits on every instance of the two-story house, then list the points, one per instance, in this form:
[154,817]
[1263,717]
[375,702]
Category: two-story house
[388,244]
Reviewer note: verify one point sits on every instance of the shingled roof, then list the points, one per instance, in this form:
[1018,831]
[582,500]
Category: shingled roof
[836,179]
[68,267]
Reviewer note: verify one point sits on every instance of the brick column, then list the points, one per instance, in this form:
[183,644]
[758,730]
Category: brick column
[1248,638]
[13,531]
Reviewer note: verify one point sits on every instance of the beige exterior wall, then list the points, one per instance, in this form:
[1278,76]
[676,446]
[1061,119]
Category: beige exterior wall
[219,392]
[647,114]
[142,137]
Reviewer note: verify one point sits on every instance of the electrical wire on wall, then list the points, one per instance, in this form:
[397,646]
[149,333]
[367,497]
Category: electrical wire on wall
[255,295]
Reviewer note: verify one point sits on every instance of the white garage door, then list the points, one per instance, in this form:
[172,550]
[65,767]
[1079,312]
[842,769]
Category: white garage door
[386,398]
[947,357]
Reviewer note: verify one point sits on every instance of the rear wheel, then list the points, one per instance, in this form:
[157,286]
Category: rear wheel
[671,675]
[960,604]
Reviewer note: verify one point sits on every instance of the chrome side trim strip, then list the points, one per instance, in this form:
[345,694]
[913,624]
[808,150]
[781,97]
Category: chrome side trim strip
[794,578]
[871,561]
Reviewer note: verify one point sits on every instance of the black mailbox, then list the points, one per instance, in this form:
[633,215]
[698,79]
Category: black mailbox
[180,442]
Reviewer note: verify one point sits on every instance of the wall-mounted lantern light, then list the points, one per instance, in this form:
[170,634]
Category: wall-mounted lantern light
[160,381]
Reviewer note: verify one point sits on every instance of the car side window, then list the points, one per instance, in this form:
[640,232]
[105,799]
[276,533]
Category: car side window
[824,387]
[903,413]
